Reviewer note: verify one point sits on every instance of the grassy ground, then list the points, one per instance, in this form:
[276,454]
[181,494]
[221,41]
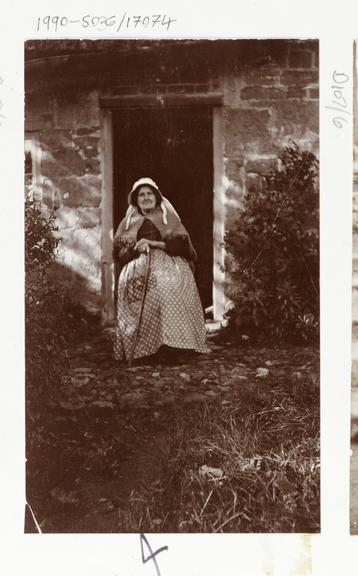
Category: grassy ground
[212,445]
[265,455]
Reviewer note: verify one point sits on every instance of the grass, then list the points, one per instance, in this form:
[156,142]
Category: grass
[139,468]
[267,445]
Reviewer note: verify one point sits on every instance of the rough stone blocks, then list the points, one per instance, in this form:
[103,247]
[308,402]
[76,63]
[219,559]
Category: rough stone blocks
[247,131]
[76,111]
[80,191]
[300,58]
[296,118]
[263,93]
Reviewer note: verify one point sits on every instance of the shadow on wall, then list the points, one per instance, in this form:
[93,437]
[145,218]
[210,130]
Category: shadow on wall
[70,189]
[77,268]
[75,286]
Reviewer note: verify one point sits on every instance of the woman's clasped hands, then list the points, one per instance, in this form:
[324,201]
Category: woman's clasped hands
[144,245]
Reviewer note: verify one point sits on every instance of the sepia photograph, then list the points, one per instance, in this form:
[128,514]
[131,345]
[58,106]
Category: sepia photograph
[172,287]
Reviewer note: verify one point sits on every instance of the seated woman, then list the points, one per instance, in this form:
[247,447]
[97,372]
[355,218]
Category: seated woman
[172,314]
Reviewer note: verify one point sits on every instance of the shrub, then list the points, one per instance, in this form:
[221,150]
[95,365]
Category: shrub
[41,241]
[45,350]
[52,321]
[273,254]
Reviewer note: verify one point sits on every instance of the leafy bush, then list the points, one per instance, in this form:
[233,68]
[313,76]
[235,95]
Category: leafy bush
[53,324]
[45,350]
[52,320]
[273,254]
[41,241]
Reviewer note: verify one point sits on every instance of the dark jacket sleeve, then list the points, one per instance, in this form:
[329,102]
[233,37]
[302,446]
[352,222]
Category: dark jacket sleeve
[180,246]
[123,254]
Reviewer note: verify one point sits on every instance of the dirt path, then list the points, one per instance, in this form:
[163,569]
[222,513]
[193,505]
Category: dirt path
[108,431]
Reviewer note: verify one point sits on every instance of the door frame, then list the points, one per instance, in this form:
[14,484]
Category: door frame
[107,106]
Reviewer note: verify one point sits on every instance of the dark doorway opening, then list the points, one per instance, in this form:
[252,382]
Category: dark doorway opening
[174,146]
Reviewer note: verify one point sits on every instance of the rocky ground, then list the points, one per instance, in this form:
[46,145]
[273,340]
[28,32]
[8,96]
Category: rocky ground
[107,431]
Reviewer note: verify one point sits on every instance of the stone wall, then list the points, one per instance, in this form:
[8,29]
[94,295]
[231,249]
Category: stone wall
[265,107]
[269,94]
[66,128]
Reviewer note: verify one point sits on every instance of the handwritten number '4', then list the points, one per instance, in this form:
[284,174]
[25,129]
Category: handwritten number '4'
[152,555]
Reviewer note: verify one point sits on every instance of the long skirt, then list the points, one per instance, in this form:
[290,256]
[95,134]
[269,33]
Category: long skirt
[172,312]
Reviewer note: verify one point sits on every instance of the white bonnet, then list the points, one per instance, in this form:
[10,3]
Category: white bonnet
[165,205]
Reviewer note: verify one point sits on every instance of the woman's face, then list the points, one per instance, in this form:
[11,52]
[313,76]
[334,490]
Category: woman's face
[146,199]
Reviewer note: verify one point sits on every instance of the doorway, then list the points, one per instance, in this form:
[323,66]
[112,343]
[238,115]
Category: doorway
[174,146]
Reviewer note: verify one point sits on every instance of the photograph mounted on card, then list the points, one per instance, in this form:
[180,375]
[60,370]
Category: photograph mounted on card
[172,286]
